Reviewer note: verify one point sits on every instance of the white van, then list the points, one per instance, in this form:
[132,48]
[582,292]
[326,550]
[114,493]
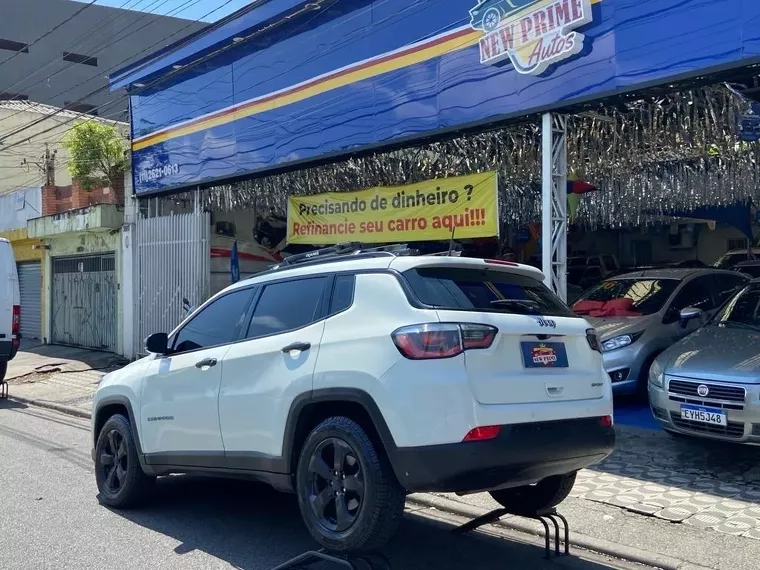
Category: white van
[10,309]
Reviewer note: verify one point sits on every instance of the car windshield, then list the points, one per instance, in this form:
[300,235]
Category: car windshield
[625,297]
[485,290]
[742,311]
[731,259]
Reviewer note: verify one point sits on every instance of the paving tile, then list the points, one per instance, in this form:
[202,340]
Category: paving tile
[737,525]
[677,513]
[643,509]
[706,519]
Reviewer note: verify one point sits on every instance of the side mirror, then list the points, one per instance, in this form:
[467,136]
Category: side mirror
[689,314]
[157,343]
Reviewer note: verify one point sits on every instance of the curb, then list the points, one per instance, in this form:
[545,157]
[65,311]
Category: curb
[70,410]
[599,545]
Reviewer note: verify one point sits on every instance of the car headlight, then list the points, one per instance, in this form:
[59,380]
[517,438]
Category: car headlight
[616,342]
[656,375]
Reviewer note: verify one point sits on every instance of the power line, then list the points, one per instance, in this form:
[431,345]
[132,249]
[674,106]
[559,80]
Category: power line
[54,28]
[174,12]
[80,40]
[106,87]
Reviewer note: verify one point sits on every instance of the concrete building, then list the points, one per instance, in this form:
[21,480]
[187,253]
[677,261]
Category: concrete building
[68,64]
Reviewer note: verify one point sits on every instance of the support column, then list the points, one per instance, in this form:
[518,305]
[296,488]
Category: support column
[554,202]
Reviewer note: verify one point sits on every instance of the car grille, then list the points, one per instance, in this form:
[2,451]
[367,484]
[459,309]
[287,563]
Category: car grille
[733,430]
[700,402]
[716,391]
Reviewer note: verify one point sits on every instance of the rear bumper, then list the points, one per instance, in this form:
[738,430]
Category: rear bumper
[7,350]
[521,454]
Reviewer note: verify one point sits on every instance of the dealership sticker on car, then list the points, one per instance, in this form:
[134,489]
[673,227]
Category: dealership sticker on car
[715,416]
[544,354]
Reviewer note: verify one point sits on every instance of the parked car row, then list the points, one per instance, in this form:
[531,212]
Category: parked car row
[638,315]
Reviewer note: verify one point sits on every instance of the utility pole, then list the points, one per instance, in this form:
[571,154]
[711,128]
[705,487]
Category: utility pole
[46,165]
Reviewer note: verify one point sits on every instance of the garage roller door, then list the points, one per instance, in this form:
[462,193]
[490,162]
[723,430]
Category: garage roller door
[30,287]
[84,301]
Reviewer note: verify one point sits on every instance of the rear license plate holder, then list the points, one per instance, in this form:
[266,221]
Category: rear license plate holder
[544,354]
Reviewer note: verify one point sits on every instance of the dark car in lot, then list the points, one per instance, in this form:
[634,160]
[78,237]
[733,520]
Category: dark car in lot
[751,268]
[488,14]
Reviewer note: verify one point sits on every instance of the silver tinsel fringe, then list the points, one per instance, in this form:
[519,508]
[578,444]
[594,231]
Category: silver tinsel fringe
[679,151]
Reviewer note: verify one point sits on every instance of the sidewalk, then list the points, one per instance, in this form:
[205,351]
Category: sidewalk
[693,500]
[59,375]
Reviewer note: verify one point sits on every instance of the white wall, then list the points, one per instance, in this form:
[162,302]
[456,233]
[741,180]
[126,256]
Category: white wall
[18,207]
[128,276]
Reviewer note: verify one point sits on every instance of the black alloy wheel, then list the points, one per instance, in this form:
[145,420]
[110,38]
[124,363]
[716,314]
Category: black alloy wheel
[114,462]
[336,485]
[349,497]
[121,481]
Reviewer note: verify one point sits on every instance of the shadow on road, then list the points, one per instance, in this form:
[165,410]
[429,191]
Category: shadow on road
[12,405]
[252,527]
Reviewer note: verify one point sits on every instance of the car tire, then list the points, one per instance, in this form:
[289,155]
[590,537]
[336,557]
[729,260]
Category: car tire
[359,508]
[542,496]
[3,370]
[121,481]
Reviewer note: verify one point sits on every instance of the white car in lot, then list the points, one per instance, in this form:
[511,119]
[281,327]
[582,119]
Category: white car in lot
[352,377]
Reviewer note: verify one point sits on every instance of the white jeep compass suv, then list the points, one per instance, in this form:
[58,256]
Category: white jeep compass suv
[353,377]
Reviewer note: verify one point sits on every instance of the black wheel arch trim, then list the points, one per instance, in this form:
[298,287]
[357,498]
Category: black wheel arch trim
[121,401]
[325,395]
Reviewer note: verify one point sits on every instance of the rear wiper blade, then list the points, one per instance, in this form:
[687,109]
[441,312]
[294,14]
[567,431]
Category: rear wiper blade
[517,303]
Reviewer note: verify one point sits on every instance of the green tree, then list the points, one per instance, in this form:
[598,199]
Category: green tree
[98,154]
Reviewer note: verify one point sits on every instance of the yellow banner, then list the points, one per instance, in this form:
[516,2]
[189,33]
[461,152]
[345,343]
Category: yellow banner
[427,211]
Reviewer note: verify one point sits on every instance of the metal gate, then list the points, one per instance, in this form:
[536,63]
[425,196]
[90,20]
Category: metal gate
[171,271]
[84,301]
[30,286]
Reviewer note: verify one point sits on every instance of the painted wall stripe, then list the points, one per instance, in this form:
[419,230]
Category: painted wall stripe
[448,42]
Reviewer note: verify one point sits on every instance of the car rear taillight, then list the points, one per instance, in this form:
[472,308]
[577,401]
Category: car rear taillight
[606,421]
[16,326]
[482,433]
[442,340]
[593,340]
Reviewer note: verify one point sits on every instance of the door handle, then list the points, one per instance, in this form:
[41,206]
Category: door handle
[206,362]
[297,346]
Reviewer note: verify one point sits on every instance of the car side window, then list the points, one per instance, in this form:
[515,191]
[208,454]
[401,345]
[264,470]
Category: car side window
[696,293]
[287,306]
[343,294]
[218,323]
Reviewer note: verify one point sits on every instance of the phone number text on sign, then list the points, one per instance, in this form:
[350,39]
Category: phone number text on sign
[151,174]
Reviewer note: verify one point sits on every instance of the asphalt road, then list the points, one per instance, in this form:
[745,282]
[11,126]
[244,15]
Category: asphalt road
[50,517]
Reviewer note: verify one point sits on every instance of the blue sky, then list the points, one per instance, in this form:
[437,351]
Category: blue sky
[189,9]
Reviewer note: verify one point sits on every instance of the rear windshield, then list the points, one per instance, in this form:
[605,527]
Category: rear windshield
[484,290]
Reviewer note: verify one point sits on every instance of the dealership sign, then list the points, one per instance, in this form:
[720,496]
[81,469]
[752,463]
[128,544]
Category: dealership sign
[462,206]
[533,34]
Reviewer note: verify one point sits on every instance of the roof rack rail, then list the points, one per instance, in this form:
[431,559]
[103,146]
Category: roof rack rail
[348,248]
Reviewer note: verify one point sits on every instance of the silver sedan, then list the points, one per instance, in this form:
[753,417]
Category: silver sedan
[638,315]
[709,383]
